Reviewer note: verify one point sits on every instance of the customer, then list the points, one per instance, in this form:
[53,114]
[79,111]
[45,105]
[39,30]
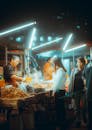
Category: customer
[59,90]
[77,84]
[89,97]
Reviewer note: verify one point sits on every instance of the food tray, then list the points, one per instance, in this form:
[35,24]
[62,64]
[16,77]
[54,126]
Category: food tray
[13,102]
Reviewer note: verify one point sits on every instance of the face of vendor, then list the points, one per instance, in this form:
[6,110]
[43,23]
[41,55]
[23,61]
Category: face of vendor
[15,62]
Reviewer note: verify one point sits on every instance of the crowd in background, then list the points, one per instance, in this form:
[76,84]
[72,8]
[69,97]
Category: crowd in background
[78,84]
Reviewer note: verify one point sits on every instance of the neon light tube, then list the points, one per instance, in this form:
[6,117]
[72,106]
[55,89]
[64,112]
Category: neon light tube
[67,42]
[46,44]
[75,48]
[16,28]
[32,38]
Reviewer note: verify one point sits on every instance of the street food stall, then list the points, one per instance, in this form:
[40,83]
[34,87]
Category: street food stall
[34,95]
[20,106]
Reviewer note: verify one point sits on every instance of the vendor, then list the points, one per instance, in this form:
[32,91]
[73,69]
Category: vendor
[10,72]
[49,68]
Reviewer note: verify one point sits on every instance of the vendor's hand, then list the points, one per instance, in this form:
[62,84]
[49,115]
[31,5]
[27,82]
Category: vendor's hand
[24,80]
[15,84]
[66,88]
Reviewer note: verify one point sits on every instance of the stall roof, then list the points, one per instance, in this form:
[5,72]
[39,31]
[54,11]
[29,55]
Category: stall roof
[11,41]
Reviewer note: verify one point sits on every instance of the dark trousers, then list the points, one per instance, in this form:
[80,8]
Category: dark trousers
[80,104]
[60,107]
[89,115]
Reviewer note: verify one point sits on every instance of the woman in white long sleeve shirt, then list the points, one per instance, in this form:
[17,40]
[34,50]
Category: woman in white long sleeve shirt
[59,90]
[59,80]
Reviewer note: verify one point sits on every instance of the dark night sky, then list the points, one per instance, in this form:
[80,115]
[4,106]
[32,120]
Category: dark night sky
[58,16]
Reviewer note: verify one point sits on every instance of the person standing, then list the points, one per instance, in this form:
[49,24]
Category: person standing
[48,68]
[77,85]
[89,97]
[59,90]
